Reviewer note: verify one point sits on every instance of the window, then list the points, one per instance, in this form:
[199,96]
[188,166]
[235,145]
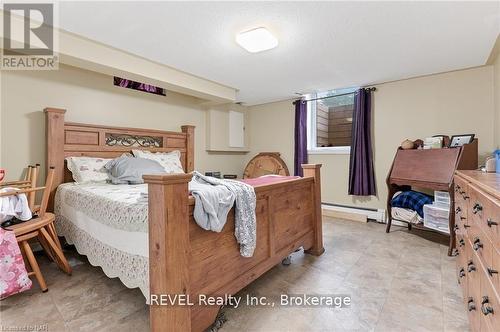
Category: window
[330,121]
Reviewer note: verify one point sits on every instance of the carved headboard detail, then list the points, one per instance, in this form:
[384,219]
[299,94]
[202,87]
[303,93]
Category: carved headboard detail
[66,139]
[134,140]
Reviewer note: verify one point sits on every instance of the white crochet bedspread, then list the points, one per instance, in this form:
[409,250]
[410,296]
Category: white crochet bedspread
[107,224]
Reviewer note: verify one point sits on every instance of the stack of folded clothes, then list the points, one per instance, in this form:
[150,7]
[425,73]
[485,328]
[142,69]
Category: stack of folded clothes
[409,206]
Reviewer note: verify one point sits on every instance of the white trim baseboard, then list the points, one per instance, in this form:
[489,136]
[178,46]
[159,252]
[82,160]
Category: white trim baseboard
[378,215]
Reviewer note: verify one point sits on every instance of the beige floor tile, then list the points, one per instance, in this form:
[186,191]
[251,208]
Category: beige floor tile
[401,281]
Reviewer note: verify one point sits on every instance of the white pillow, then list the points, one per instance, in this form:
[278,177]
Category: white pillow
[170,161]
[88,169]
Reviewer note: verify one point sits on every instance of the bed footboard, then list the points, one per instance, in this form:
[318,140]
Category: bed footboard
[313,171]
[168,218]
[187,262]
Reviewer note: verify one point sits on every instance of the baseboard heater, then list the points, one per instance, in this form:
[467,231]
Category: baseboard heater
[353,212]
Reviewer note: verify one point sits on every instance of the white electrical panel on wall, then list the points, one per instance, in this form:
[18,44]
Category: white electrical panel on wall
[226,131]
[236,129]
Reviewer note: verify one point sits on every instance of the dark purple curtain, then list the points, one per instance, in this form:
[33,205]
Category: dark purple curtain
[361,174]
[300,136]
[125,83]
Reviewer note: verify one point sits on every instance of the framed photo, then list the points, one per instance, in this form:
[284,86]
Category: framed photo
[459,140]
[446,140]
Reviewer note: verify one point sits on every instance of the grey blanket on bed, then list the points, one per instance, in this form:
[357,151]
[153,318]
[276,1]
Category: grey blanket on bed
[213,200]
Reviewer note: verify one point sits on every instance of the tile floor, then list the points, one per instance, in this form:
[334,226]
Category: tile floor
[398,282]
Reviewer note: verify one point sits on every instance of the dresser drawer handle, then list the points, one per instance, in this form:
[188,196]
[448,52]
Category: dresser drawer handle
[477,244]
[470,304]
[477,207]
[456,228]
[491,271]
[461,242]
[461,273]
[471,266]
[485,308]
[457,210]
[462,218]
[491,222]
[466,226]
[455,252]
[466,197]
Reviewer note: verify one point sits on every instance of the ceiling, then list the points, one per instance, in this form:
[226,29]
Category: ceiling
[322,45]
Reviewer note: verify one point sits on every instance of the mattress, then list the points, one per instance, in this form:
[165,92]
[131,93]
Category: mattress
[108,224]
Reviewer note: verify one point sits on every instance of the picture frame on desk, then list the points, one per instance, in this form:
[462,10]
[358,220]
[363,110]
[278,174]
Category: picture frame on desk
[445,140]
[460,140]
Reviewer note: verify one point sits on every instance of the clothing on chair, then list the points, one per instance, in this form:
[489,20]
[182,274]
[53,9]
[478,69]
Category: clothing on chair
[13,275]
[15,206]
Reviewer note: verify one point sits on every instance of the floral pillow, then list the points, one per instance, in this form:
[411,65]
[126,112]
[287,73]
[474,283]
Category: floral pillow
[88,169]
[170,161]
[13,276]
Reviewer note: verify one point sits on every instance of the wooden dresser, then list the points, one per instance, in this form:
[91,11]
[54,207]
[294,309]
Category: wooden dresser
[477,227]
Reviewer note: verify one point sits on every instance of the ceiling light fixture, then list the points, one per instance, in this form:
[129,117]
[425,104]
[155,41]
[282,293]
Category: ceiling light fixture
[256,40]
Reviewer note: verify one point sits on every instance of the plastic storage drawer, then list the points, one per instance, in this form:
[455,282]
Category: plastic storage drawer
[442,198]
[437,217]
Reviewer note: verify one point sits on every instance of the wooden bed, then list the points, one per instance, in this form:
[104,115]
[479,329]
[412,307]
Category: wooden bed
[184,258]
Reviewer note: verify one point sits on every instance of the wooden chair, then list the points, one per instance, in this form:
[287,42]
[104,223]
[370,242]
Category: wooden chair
[40,227]
[30,179]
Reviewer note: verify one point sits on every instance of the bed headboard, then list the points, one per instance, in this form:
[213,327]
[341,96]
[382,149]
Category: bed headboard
[66,139]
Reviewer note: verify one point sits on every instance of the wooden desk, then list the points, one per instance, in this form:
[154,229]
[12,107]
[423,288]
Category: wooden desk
[429,169]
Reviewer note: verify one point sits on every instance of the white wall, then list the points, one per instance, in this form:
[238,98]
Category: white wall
[496,86]
[270,128]
[450,103]
[89,97]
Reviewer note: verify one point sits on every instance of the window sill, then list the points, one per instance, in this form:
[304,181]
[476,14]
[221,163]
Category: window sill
[346,150]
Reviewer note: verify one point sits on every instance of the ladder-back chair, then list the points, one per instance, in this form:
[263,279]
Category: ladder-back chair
[40,227]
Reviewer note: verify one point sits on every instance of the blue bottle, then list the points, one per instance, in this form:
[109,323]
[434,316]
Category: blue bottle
[497,158]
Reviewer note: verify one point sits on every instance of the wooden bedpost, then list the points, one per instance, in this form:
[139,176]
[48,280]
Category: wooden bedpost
[168,250]
[313,170]
[189,130]
[54,128]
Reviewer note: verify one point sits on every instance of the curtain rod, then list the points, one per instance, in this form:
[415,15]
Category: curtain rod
[339,95]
